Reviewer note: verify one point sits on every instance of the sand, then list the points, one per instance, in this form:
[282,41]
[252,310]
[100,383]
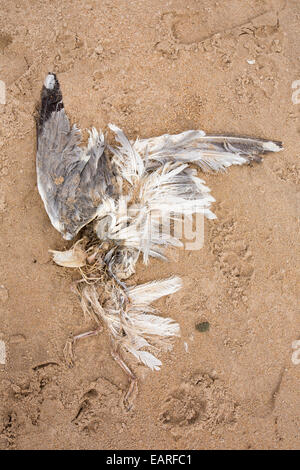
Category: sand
[152,67]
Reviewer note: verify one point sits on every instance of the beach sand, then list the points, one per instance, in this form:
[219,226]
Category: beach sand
[153,67]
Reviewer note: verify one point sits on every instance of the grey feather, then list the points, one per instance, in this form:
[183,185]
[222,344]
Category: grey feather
[209,152]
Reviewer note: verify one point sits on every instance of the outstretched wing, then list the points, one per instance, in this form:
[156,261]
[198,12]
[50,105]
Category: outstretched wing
[163,188]
[209,152]
[72,181]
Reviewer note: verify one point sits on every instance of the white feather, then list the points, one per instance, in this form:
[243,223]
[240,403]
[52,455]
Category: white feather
[147,358]
[145,294]
[126,157]
[147,324]
[272,146]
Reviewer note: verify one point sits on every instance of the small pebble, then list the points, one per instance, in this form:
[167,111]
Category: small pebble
[202,326]
[99,49]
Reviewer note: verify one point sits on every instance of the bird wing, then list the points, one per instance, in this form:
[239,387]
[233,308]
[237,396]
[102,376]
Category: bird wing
[208,152]
[72,181]
[164,187]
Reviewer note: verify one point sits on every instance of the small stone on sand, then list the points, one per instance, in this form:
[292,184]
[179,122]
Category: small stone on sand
[202,326]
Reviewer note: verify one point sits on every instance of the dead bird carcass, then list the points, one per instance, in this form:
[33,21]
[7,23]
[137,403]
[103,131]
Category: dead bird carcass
[118,197]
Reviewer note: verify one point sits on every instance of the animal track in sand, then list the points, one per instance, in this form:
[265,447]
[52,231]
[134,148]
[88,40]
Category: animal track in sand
[5,40]
[262,39]
[289,173]
[196,26]
[233,258]
[189,29]
[202,402]
[98,405]
[239,37]
[8,428]
[27,401]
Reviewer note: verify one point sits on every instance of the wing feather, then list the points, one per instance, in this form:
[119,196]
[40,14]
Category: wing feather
[208,152]
[72,181]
